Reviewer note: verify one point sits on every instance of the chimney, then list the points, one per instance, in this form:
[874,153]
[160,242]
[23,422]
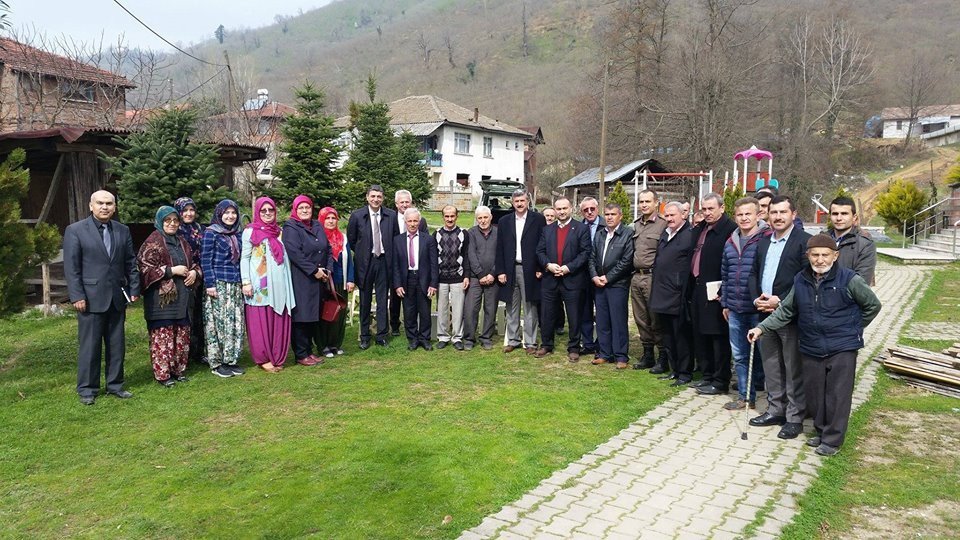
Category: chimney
[476,114]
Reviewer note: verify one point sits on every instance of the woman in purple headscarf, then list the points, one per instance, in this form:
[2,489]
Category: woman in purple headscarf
[267,287]
[192,232]
[310,267]
[223,301]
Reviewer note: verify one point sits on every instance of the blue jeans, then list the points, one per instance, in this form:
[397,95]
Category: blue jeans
[739,324]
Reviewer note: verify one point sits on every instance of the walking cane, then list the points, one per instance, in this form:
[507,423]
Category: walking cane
[746,407]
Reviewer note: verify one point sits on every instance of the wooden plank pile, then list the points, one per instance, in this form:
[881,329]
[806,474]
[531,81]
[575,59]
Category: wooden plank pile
[936,372]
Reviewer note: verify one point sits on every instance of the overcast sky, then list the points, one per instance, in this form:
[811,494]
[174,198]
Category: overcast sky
[181,21]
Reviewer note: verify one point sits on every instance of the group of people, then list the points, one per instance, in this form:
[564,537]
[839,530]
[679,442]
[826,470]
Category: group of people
[205,287]
[701,293]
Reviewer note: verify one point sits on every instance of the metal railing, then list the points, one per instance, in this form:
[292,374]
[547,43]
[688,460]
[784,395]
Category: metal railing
[931,220]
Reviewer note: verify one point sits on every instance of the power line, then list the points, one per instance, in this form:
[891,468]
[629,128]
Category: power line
[201,85]
[165,40]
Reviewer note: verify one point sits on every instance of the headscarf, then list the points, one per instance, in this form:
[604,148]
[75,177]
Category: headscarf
[229,232]
[266,231]
[297,202]
[162,214]
[334,236]
[191,232]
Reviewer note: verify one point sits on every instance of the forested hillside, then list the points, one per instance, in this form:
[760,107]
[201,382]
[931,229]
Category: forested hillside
[703,77]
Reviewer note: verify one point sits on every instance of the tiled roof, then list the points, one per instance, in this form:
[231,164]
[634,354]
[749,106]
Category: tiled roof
[271,109]
[431,110]
[903,113]
[24,58]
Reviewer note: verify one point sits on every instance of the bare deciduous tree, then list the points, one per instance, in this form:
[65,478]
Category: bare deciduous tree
[423,45]
[450,45]
[918,90]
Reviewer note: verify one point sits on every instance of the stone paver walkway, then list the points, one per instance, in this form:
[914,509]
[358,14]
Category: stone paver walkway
[934,330]
[682,470]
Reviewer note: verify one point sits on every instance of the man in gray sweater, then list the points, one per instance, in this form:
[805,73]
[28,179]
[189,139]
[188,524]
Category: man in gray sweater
[482,292]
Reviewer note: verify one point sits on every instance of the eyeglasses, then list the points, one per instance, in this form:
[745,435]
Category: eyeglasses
[267,211]
[590,209]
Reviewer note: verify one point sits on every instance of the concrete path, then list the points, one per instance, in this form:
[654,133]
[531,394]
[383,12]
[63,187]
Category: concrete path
[682,470]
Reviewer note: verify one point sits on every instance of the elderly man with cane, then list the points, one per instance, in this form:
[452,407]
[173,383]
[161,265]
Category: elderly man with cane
[831,305]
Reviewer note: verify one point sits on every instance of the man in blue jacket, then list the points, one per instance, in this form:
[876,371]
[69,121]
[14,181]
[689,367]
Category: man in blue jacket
[831,306]
[738,255]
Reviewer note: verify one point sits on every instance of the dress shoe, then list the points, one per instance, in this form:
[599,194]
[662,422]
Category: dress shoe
[509,349]
[646,360]
[826,450]
[308,361]
[122,394]
[395,333]
[319,359]
[412,347]
[487,346]
[427,346]
[168,382]
[622,365]
[814,441]
[88,400]
[364,344]
[467,346]
[767,419]
[735,405]
[790,430]
[598,361]
[711,390]
[667,377]
[532,350]
[658,370]
[680,382]
[541,352]
[442,344]
[587,351]
[701,382]
[382,342]
[573,356]
[459,345]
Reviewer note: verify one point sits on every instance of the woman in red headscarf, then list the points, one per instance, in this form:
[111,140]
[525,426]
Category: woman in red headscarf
[267,287]
[333,332]
[310,268]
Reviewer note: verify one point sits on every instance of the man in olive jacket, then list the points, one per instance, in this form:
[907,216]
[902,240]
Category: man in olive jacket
[610,267]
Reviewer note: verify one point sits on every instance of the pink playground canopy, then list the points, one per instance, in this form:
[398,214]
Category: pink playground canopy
[753,152]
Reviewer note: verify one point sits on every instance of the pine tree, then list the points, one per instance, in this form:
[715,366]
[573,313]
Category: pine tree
[160,164]
[619,197]
[21,247]
[308,154]
[380,157]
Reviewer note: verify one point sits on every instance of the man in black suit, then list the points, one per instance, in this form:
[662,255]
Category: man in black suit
[517,268]
[371,231]
[589,210]
[416,274]
[101,273]
[710,331]
[671,271]
[402,199]
[778,261]
[611,267]
[563,253]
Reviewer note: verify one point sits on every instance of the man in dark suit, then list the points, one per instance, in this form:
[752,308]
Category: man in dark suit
[563,252]
[416,274]
[710,332]
[671,270]
[371,231]
[589,211]
[610,267]
[778,261]
[517,268]
[402,199]
[101,273]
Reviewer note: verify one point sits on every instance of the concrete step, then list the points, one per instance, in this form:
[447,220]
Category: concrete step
[935,244]
[917,256]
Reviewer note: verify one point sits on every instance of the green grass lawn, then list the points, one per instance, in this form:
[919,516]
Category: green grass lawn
[376,444]
[898,475]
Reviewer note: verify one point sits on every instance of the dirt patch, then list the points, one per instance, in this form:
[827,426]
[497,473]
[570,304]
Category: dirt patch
[939,162]
[895,433]
[938,520]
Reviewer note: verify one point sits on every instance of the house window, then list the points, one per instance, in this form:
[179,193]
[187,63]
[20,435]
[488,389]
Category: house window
[506,144]
[488,147]
[516,145]
[461,143]
[899,125]
[76,91]
[463,180]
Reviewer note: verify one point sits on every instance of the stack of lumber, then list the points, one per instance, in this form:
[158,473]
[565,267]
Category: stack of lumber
[953,350]
[931,371]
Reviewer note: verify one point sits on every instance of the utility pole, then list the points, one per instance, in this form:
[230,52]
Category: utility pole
[603,137]
[229,81]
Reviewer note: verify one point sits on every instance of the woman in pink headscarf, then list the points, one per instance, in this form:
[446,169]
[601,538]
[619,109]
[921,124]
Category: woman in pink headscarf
[332,333]
[267,287]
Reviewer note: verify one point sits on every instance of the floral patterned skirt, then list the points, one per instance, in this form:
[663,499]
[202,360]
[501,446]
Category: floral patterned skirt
[223,321]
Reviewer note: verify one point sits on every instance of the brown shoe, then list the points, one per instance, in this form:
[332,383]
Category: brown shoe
[317,359]
[573,356]
[533,350]
[308,361]
[541,352]
[622,365]
[509,349]
[598,361]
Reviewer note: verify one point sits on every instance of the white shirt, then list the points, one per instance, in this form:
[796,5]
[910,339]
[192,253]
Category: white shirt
[606,244]
[376,215]
[521,221]
[416,250]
